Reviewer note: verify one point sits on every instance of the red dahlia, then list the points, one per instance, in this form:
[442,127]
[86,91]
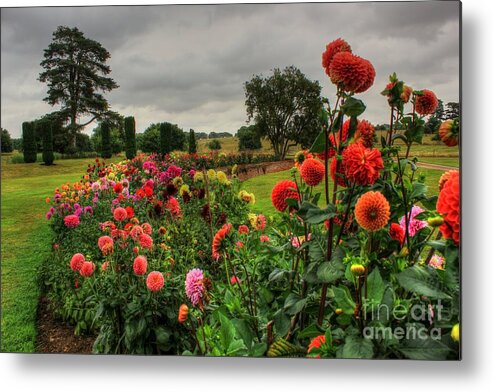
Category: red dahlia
[340,177]
[397,233]
[351,72]
[365,133]
[336,46]
[283,190]
[312,171]
[362,165]
[448,205]
[426,103]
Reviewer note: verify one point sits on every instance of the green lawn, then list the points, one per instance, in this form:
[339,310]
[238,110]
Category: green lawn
[26,240]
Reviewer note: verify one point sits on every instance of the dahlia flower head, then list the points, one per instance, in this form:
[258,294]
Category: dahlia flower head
[76,262]
[87,269]
[334,47]
[155,281]
[448,205]
[140,265]
[337,173]
[426,103]
[372,211]
[285,189]
[352,73]
[316,342]
[362,165]
[437,262]
[105,244]
[218,239]
[449,132]
[414,225]
[194,286]
[312,171]
[71,221]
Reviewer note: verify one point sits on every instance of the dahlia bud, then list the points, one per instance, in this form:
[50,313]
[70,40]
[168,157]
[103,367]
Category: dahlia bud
[358,269]
[339,311]
[406,93]
[435,221]
[455,333]
[183,314]
[404,251]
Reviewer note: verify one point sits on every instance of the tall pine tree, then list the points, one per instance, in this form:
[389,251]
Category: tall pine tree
[75,71]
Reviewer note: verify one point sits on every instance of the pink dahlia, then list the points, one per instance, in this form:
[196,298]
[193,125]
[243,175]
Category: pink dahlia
[77,261]
[71,221]
[120,214]
[415,225]
[105,244]
[147,228]
[87,269]
[173,207]
[194,286]
[155,281]
[145,241]
[243,229]
[140,265]
[437,262]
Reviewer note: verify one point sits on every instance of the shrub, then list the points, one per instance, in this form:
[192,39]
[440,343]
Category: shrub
[192,143]
[6,143]
[249,138]
[105,140]
[45,129]
[214,145]
[165,135]
[130,142]
[29,142]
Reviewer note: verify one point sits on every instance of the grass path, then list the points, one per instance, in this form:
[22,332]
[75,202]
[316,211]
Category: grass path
[26,239]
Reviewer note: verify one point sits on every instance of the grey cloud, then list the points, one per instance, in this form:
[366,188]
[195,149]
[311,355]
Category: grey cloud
[187,64]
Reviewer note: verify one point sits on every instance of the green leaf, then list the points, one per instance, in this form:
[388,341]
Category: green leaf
[419,190]
[357,347]
[353,107]
[294,304]
[226,332]
[353,126]
[235,347]
[312,214]
[430,203]
[399,136]
[258,349]
[422,280]
[244,331]
[323,116]
[343,299]
[330,271]
[424,349]
[376,287]
[162,336]
[319,143]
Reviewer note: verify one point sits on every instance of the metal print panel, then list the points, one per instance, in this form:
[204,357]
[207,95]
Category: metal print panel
[257,180]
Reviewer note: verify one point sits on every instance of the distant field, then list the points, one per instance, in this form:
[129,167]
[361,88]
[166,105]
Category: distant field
[429,148]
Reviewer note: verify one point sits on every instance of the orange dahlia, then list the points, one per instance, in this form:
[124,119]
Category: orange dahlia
[447,176]
[351,72]
[449,132]
[283,190]
[336,46]
[448,204]
[426,103]
[362,165]
[218,240]
[372,211]
[339,177]
[405,94]
[365,133]
[312,171]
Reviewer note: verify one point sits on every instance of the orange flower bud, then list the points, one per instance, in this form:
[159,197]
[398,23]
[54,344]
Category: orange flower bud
[183,313]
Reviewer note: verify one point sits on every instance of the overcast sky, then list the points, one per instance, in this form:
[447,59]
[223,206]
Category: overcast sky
[187,64]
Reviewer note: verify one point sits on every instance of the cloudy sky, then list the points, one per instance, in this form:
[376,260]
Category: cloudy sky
[187,64]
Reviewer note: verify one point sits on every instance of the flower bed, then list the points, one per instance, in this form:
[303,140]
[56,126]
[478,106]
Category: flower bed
[161,256]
